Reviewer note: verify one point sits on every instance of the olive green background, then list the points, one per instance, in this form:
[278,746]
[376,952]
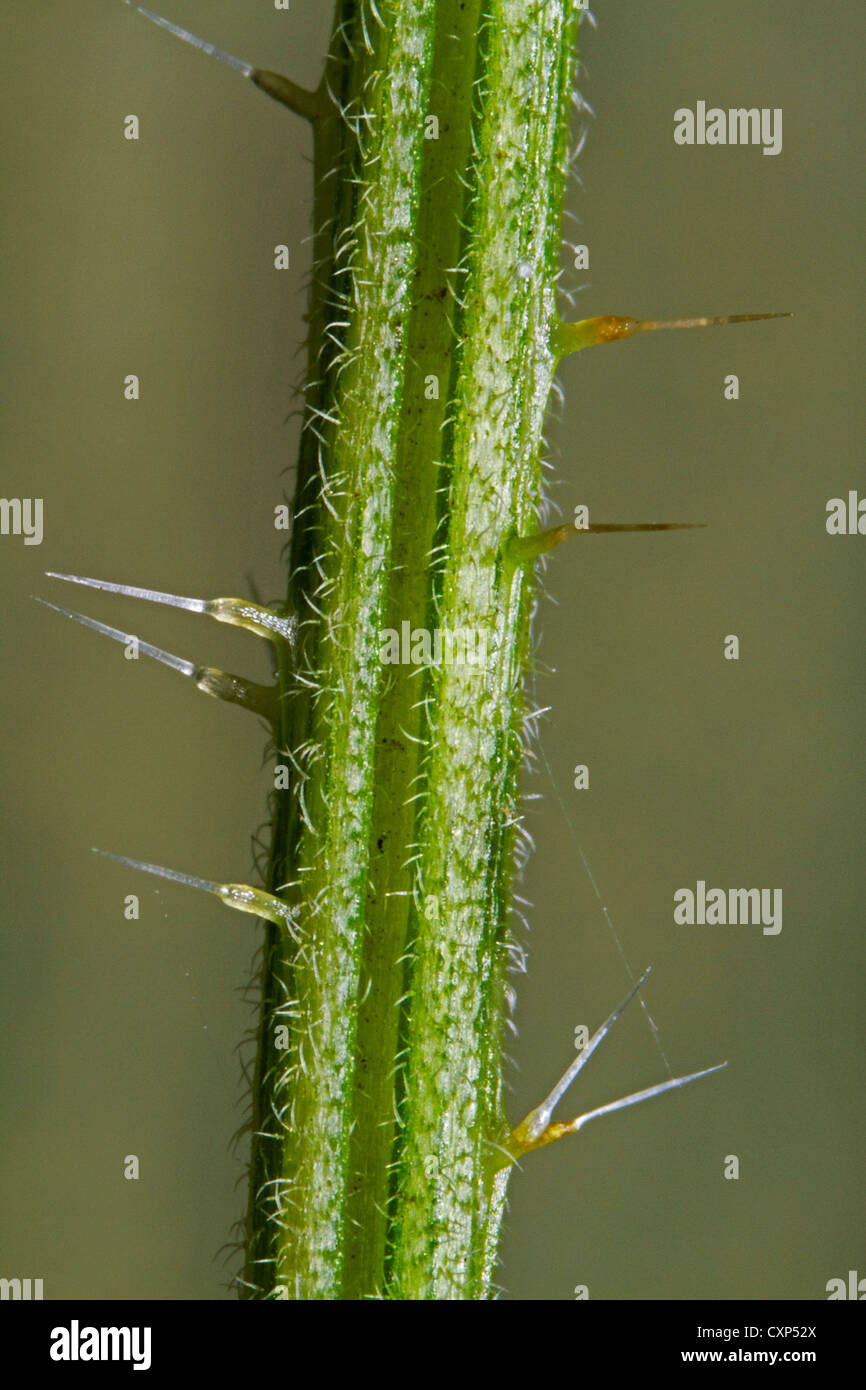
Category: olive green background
[156,257]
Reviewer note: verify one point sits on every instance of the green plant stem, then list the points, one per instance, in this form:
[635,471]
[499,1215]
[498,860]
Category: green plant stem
[453,1109]
[375,1170]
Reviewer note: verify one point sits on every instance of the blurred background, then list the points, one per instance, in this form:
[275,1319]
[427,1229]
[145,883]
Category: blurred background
[155,257]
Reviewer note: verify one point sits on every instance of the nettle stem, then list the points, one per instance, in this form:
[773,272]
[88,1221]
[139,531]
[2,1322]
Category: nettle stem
[380,1147]
[437,247]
